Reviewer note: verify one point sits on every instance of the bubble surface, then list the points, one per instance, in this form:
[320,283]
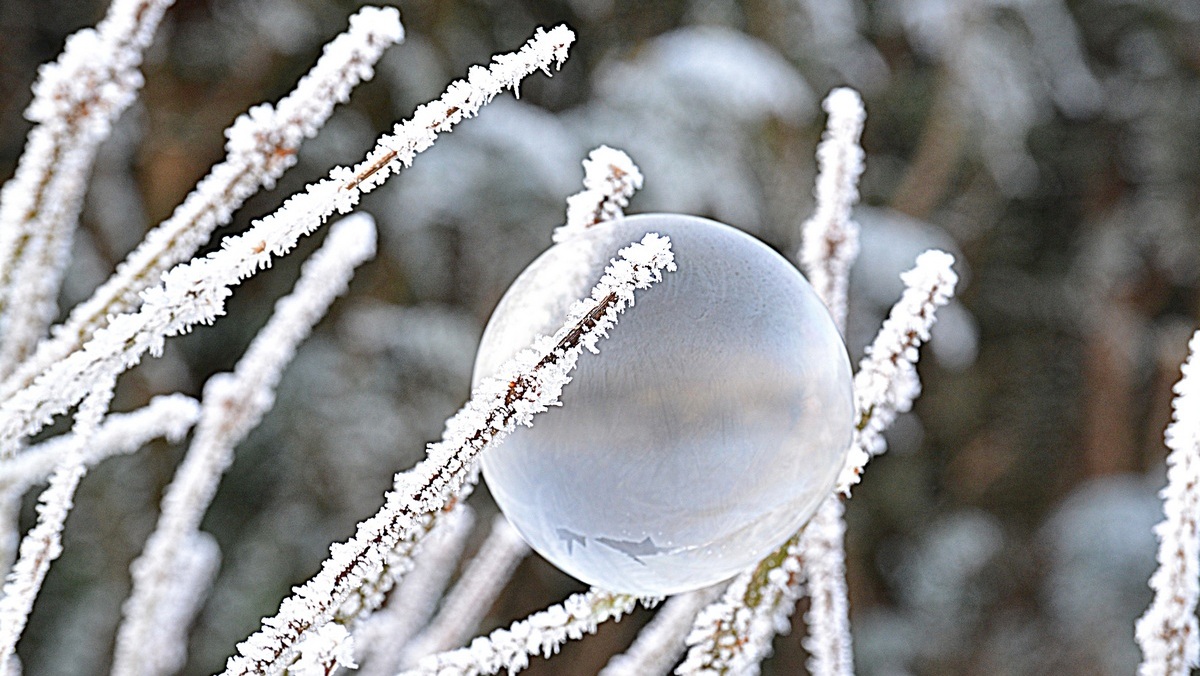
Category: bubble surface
[708,429]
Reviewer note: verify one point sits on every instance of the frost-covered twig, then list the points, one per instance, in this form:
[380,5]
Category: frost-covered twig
[43,543]
[234,403]
[828,250]
[76,101]
[262,144]
[541,633]
[381,639]
[609,179]
[194,293]
[660,643]
[830,236]
[1168,631]
[528,384]
[169,416]
[733,635]
[886,382]
[473,595]
[823,559]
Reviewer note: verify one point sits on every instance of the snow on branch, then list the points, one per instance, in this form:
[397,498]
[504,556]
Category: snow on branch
[234,403]
[823,561]
[526,385]
[886,382]
[733,635]
[476,590]
[1168,633]
[262,144]
[609,179]
[43,543]
[169,416]
[539,634]
[76,100]
[660,643]
[195,292]
[830,237]
[382,638]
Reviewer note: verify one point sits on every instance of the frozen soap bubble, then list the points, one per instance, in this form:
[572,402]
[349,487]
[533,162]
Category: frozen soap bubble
[712,423]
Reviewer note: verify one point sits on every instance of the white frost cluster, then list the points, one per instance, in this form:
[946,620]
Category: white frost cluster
[609,179]
[76,100]
[195,292]
[830,236]
[169,416]
[528,384]
[660,643]
[382,637]
[476,590]
[823,551]
[1168,633]
[886,382]
[733,635]
[323,651]
[541,633]
[43,543]
[234,403]
[262,144]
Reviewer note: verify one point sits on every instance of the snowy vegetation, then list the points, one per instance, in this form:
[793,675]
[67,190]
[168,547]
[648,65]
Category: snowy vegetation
[166,563]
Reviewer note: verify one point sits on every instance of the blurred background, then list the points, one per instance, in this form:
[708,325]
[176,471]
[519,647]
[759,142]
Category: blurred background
[1051,145]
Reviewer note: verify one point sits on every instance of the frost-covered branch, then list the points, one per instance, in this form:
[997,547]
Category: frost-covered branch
[43,543]
[382,638]
[886,382]
[261,145]
[830,236]
[76,101]
[660,643]
[733,635]
[234,403]
[169,416]
[195,292]
[829,248]
[823,560]
[476,590]
[609,179]
[1168,631]
[528,384]
[539,634]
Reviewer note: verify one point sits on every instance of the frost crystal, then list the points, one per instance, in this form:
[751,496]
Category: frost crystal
[1168,633]
[830,236]
[539,634]
[609,179]
[886,383]
[43,543]
[474,593]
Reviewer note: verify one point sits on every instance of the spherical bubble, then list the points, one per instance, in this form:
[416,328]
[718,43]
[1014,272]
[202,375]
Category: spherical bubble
[708,429]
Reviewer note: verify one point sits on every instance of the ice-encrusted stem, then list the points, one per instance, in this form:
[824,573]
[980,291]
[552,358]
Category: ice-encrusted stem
[76,101]
[234,403]
[527,384]
[195,292]
[1168,633]
[262,144]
